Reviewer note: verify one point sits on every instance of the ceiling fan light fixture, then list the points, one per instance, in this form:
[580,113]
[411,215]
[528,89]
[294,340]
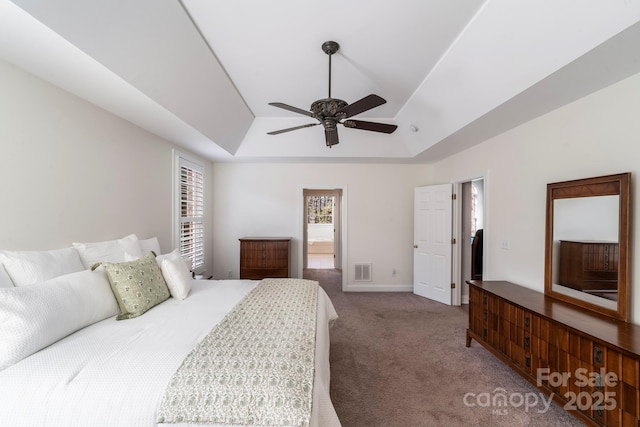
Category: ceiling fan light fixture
[330,124]
[333,111]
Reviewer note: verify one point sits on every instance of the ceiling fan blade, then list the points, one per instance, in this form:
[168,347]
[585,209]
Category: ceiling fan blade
[276,132]
[376,127]
[362,105]
[290,108]
[331,137]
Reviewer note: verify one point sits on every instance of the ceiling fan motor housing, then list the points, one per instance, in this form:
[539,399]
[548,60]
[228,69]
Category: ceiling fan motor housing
[327,107]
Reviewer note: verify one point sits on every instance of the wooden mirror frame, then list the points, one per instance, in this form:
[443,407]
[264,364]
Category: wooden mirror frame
[599,186]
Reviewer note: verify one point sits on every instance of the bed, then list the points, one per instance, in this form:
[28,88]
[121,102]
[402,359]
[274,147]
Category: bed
[116,373]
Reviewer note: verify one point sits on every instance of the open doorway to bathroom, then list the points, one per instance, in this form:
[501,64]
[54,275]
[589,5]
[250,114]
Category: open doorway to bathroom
[322,246]
[322,229]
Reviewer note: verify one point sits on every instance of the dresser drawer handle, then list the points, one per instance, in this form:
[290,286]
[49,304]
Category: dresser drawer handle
[598,355]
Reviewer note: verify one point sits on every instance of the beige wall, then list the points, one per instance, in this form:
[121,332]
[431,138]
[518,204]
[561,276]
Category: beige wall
[71,171]
[263,200]
[596,135]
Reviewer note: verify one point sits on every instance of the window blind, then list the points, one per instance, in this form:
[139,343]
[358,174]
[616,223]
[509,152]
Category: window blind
[191,208]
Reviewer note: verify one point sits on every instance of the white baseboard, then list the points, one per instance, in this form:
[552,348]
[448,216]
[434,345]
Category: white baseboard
[357,287]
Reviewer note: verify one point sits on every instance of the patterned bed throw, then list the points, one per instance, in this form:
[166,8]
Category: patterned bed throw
[256,367]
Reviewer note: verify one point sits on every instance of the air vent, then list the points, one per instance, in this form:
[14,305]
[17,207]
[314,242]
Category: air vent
[362,272]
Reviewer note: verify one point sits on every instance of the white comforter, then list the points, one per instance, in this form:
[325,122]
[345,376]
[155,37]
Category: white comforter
[114,373]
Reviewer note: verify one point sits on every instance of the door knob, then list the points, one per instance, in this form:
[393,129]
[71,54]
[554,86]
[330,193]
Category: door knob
[415,246]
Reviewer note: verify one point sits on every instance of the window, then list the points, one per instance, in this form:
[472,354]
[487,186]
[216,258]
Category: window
[190,208]
[320,209]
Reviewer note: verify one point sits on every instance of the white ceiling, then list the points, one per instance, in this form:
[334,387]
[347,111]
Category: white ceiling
[201,73]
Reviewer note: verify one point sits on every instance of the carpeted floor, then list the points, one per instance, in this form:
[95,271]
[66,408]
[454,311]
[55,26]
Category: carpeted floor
[400,360]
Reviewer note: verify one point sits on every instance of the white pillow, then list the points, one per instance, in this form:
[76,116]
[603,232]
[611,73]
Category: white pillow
[33,317]
[148,245]
[109,250]
[5,280]
[29,267]
[176,274]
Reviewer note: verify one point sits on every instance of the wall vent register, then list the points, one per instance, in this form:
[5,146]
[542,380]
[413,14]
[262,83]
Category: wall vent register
[362,272]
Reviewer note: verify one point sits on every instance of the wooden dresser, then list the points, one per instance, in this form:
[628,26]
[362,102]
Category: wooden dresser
[262,257]
[589,266]
[542,338]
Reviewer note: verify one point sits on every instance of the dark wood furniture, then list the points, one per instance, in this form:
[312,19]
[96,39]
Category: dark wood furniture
[589,266]
[262,257]
[476,256]
[534,333]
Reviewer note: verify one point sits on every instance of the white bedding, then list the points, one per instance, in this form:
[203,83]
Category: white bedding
[114,373]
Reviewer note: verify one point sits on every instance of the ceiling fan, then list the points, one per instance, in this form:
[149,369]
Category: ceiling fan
[333,111]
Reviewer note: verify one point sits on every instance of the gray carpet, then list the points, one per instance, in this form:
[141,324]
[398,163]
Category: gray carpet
[400,360]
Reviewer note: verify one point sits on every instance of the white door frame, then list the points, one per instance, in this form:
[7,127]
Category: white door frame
[456,256]
[456,250]
[343,226]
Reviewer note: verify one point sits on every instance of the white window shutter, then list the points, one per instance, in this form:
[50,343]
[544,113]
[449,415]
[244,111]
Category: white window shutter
[191,213]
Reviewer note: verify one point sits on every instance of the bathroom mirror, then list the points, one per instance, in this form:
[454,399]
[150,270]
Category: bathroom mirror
[587,243]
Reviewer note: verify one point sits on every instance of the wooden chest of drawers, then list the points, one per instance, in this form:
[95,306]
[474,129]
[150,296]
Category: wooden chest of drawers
[262,257]
[554,345]
[589,266]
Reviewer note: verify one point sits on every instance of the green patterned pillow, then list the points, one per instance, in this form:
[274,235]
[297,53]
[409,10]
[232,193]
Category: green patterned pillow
[137,285]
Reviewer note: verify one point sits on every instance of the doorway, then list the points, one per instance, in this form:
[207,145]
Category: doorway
[322,230]
[449,240]
[472,234]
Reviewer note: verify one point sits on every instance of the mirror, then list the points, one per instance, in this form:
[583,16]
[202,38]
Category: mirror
[587,243]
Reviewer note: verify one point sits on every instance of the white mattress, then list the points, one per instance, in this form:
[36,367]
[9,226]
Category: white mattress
[114,373]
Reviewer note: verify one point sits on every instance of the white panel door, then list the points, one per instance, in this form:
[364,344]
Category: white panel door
[432,242]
